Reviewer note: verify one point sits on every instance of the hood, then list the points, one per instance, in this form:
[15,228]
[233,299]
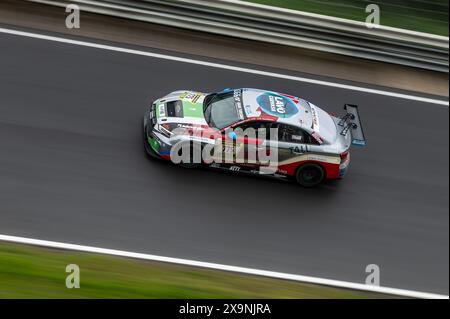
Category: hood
[184,107]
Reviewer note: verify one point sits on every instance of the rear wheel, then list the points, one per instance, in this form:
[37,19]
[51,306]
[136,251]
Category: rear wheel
[310,175]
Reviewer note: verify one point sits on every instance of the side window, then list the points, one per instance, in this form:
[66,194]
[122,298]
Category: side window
[311,140]
[259,128]
[291,134]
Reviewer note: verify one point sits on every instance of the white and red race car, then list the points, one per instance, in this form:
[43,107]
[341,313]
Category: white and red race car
[252,131]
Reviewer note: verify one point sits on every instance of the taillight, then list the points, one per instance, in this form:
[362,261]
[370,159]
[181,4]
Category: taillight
[344,156]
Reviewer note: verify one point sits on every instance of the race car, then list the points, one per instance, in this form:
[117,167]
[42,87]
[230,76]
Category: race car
[252,131]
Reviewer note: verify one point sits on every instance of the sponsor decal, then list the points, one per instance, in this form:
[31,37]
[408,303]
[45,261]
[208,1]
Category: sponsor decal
[317,137]
[180,125]
[188,126]
[162,110]
[189,130]
[196,98]
[229,147]
[277,105]
[317,158]
[192,97]
[297,138]
[315,119]
[238,104]
[264,116]
[248,110]
[154,143]
[323,158]
[298,150]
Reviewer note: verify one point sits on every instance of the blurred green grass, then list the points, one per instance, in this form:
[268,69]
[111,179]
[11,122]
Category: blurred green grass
[36,272]
[424,16]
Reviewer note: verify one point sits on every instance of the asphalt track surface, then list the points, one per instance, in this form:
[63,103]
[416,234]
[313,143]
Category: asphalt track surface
[72,169]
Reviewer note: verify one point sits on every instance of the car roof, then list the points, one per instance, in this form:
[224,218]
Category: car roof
[261,105]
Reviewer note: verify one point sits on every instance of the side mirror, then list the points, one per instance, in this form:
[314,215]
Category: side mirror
[232,135]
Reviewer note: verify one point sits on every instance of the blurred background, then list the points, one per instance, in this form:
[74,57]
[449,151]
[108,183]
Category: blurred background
[429,16]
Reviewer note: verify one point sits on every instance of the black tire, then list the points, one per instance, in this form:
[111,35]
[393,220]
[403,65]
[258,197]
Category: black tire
[310,175]
[190,164]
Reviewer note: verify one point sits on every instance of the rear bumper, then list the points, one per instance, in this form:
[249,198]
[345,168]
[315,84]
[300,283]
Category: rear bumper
[342,172]
[344,166]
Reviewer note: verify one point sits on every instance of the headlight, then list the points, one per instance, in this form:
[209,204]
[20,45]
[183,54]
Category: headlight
[153,114]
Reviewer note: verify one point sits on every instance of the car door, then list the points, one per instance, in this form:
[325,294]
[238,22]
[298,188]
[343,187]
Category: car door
[249,138]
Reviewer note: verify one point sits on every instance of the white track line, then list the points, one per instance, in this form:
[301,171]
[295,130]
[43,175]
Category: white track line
[250,271]
[223,66]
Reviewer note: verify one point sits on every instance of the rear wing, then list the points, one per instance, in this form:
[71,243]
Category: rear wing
[351,122]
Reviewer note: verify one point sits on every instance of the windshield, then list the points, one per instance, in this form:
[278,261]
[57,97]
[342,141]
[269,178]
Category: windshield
[220,110]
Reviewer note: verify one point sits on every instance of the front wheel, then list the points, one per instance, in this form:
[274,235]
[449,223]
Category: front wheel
[189,160]
[310,175]
[148,149]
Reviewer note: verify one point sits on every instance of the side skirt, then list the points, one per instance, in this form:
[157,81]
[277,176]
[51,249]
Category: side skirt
[245,170]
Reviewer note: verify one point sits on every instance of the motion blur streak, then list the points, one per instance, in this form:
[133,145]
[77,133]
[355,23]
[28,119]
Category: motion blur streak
[73,169]
[224,66]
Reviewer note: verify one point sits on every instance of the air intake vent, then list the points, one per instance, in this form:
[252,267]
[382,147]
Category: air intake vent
[175,109]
